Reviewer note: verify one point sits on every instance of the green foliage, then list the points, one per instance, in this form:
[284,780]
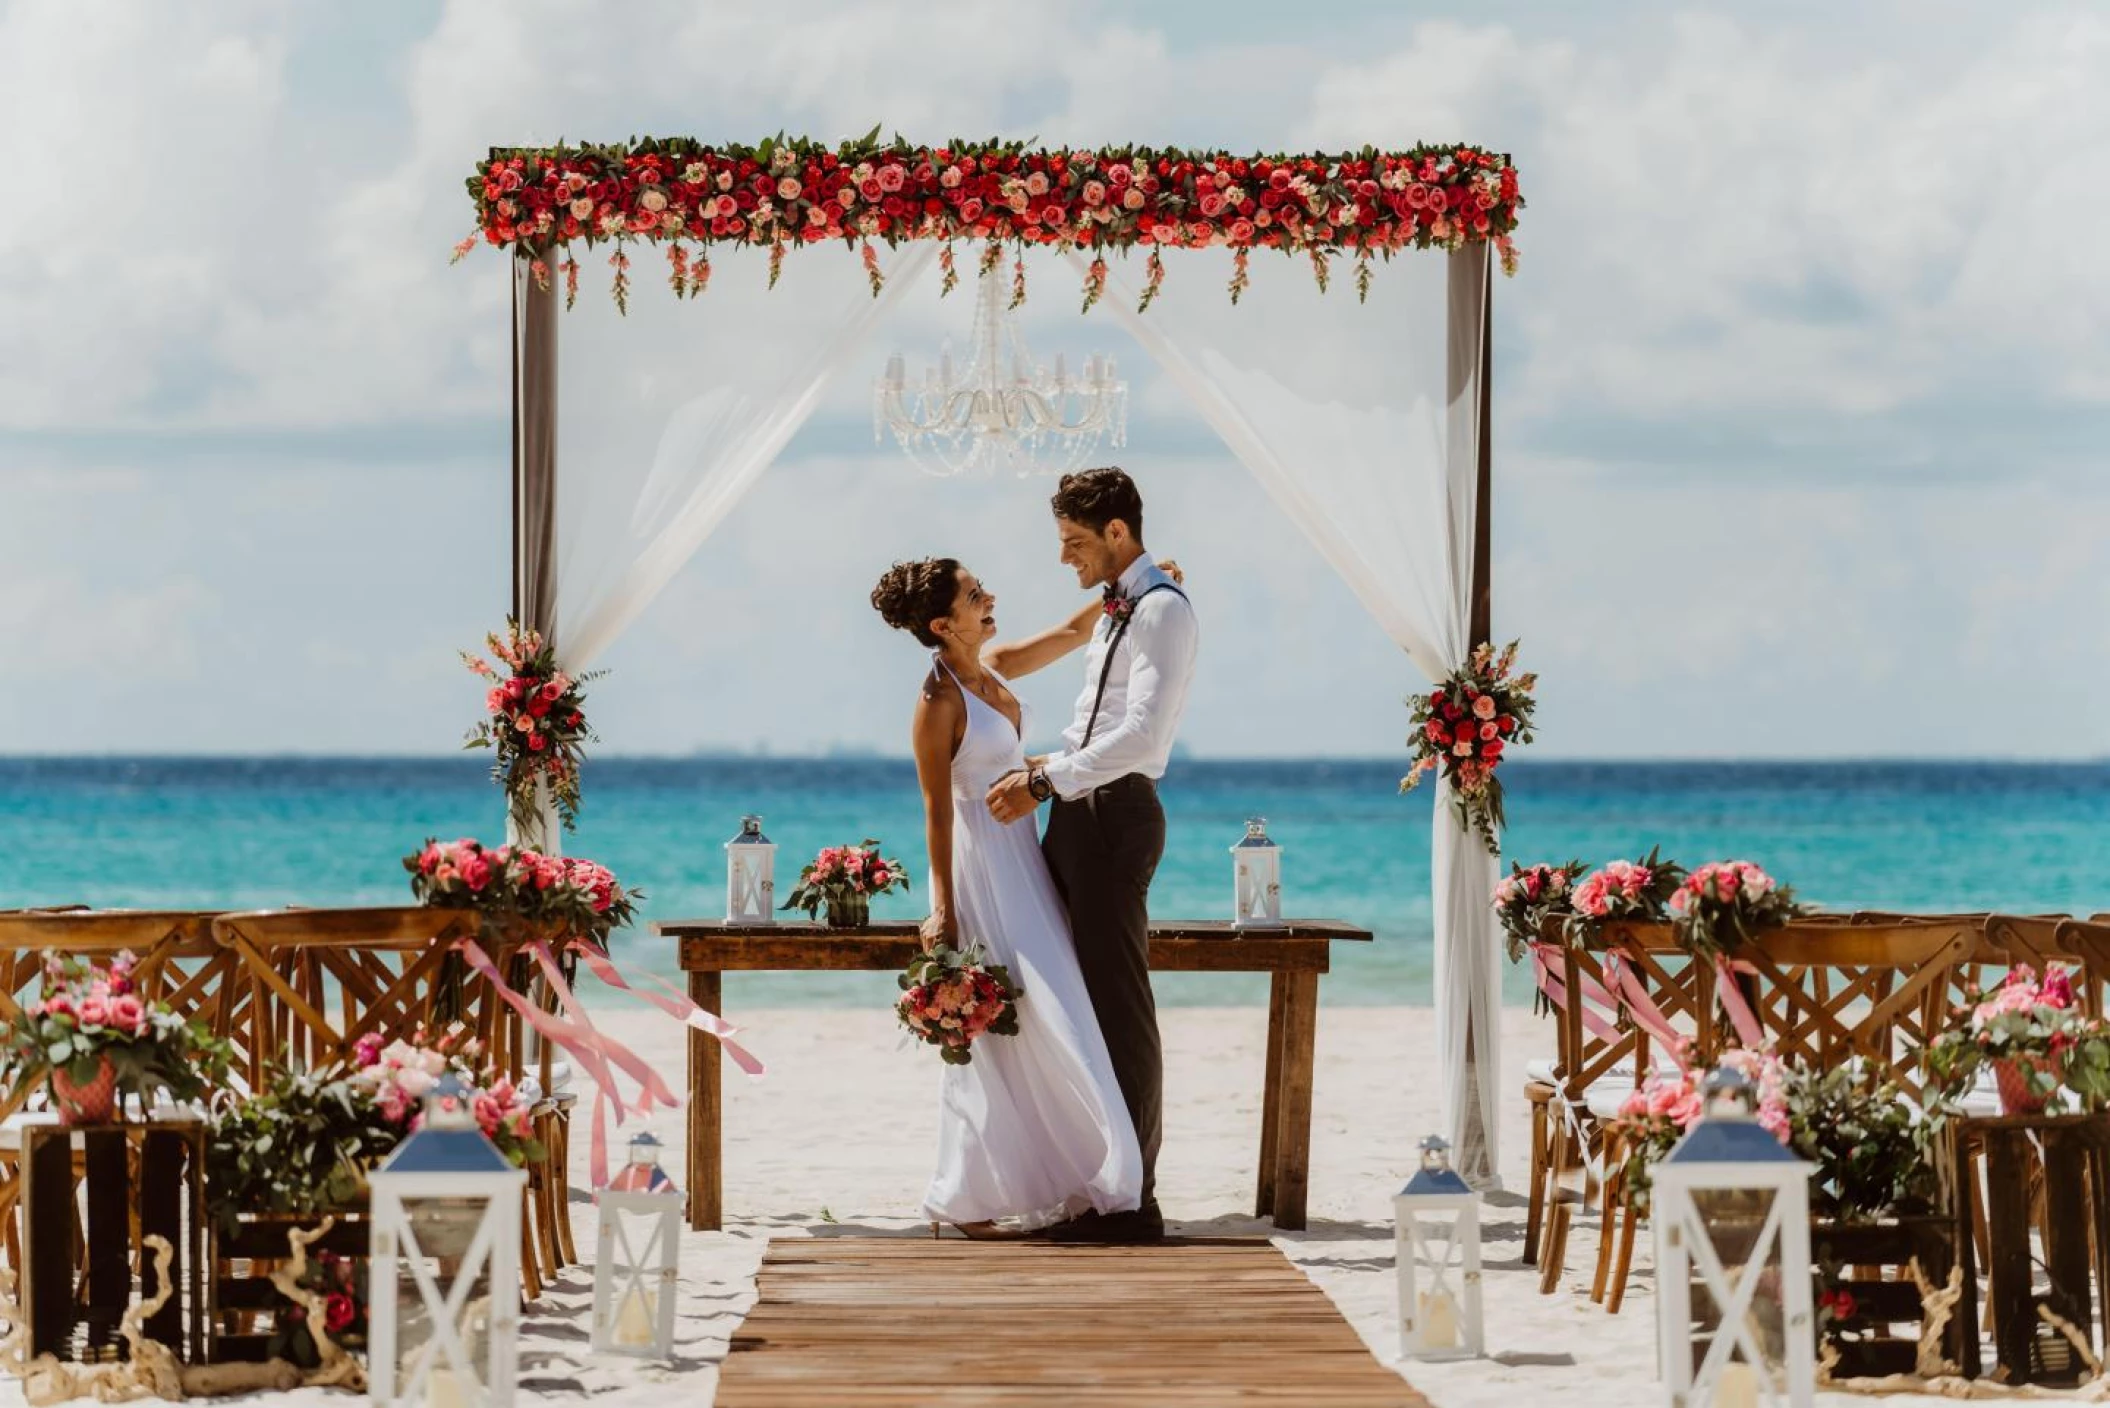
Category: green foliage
[302,1145]
[1874,1155]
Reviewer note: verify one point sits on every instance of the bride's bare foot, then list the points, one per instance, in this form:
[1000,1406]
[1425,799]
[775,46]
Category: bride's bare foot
[979,1231]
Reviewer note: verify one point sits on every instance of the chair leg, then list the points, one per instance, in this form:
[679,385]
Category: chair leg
[560,1161]
[1608,1215]
[530,1274]
[1555,1252]
[1630,1216]
[1541,1099]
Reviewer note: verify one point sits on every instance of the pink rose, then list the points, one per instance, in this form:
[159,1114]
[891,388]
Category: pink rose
[58,1005]
[1484,707]
[1462,750]
[1132,199]
[128,1013]
[94,1012]
[1488,733]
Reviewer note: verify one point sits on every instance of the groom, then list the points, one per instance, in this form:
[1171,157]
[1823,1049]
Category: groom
[1106,830]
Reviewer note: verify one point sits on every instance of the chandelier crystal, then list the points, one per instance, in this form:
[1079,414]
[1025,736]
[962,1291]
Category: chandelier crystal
[1002,409]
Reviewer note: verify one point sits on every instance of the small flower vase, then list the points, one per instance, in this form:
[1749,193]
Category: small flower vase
[91,1102]
[849,911]
[2012,1079]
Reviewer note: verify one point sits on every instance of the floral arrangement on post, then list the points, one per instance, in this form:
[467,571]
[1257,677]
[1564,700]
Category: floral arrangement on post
[2035,1038]
[1722,905]
[506,883]
[1529,898]
[95,1039]
[1624,889]
[537,723]
[302,1145]
[951,998]
[844,879]
[1462,728]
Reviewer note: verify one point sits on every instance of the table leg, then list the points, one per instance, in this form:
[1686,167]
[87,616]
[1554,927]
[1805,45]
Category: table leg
[1270,1102]
[1300,1025]
[706,1112]
[2007,1159]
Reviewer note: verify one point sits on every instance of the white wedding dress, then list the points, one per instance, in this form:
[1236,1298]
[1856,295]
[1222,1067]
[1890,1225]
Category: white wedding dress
[1034,1129]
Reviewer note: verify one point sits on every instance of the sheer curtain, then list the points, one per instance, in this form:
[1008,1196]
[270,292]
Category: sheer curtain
[671,414]
[1361,422]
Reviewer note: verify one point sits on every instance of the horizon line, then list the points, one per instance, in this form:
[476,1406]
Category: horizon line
[863,755]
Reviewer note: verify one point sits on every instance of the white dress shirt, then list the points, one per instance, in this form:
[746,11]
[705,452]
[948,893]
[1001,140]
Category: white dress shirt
[1146,690]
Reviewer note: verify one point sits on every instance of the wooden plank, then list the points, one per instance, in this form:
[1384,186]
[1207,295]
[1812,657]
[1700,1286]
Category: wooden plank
[706,1173]
[1203,1321]
[1300,1025]
[825,951]
[2068,1228]
[2007,1158]
[1216,929]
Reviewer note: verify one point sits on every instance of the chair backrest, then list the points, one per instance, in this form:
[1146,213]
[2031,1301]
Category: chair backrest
[1827,990]
[388,970]
[1601,1033]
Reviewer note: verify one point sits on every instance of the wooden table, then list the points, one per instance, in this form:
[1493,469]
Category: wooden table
[1295,954]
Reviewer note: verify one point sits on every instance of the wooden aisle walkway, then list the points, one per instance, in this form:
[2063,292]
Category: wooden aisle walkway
[892,1322]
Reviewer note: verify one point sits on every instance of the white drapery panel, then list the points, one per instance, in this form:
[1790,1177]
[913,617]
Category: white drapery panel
[1361,422]
[669,419]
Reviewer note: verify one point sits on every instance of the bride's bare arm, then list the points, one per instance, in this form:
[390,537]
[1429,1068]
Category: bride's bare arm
[1014,659]
[1022,657]
[941,718]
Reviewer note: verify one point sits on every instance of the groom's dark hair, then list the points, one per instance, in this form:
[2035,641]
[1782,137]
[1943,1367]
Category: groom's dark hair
[1096,497]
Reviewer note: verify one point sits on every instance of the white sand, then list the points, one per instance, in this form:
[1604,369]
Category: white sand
[837,1137]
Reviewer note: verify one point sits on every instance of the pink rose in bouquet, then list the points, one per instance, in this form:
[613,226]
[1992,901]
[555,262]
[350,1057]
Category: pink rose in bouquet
[952,1000]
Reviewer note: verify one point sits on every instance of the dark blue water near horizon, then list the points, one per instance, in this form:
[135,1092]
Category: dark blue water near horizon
[223,832]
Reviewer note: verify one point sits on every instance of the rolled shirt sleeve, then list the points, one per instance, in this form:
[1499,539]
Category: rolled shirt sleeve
[1162,640]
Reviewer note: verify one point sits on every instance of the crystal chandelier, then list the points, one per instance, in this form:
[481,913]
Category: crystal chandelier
[1002,408]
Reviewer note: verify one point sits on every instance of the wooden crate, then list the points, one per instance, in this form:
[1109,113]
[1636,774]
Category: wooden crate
[1883,1335]
[247,1307]
[91,1195]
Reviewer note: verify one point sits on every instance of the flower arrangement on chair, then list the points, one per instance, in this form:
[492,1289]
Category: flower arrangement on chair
[537,723]
[1722,905]
[2034,1037]
[1463,727]
[1624,889]
[844,879]
[1529,898]
[397,1076]
[95,1039]
[582,897]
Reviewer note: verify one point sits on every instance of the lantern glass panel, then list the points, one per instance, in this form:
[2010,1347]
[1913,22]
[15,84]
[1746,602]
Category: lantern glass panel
[440,1236]
[1747,1254]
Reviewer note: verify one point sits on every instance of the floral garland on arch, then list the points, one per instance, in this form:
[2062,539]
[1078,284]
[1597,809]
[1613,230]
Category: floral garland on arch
[787,192]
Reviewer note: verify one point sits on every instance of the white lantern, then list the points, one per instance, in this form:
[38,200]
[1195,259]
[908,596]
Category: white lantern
[1732,1214]
[1256,874]
[639,1260]
[750,875]
[1436,1237]
[445,1275]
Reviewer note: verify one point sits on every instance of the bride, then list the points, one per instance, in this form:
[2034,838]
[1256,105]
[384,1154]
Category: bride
[1034,1130]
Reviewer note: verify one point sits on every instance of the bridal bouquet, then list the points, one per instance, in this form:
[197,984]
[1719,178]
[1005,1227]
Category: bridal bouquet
[1463,727]
[537,722]
[950,998]
[1531,895]
[844,879]
[1722,905]
[95,1039]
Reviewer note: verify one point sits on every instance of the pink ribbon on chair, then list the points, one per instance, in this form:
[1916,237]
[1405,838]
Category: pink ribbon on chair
[1641,1007]
[673,1002]
[1748,1031]
[1556,991]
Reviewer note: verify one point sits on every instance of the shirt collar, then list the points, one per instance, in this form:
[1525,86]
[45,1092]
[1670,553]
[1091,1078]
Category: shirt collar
[1137,574]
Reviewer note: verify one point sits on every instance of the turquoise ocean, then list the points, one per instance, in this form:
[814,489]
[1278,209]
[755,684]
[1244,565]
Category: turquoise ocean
[255,832]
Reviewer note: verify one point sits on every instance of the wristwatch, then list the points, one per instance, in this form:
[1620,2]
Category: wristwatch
[1037,783]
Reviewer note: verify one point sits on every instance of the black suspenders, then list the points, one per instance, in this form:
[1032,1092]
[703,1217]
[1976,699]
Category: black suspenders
[1113,643]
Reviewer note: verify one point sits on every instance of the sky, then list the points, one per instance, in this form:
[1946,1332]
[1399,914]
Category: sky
[1802,392]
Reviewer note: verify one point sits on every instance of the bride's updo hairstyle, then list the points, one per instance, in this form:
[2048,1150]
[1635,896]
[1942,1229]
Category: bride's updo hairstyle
[913,594]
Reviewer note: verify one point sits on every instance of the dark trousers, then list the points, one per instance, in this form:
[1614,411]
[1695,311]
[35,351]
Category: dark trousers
[1102,852]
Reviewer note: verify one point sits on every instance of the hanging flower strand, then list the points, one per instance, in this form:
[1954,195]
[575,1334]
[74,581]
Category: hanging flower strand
[1094,282]
[1239,278]
[945,266]
[1153,277]
[1018,280]
[871,258]
[571,283]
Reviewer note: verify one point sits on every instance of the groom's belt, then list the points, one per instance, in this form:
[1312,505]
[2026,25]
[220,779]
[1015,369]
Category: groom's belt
[1134,784]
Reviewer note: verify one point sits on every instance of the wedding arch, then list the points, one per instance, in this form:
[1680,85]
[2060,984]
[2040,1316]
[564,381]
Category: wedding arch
[1382,461]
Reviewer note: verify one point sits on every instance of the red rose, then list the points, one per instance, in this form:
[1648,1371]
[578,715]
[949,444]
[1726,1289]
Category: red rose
[1491,750]
[537,742]
[1505,723]
[338,1312]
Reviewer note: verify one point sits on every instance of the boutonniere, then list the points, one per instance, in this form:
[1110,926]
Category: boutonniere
[1118,608]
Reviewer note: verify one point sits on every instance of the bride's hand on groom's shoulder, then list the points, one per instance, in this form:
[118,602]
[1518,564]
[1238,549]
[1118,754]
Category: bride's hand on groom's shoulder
[1172,570]
[939,931]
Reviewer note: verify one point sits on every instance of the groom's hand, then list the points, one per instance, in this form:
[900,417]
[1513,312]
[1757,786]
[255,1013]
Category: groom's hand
[1010,798]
